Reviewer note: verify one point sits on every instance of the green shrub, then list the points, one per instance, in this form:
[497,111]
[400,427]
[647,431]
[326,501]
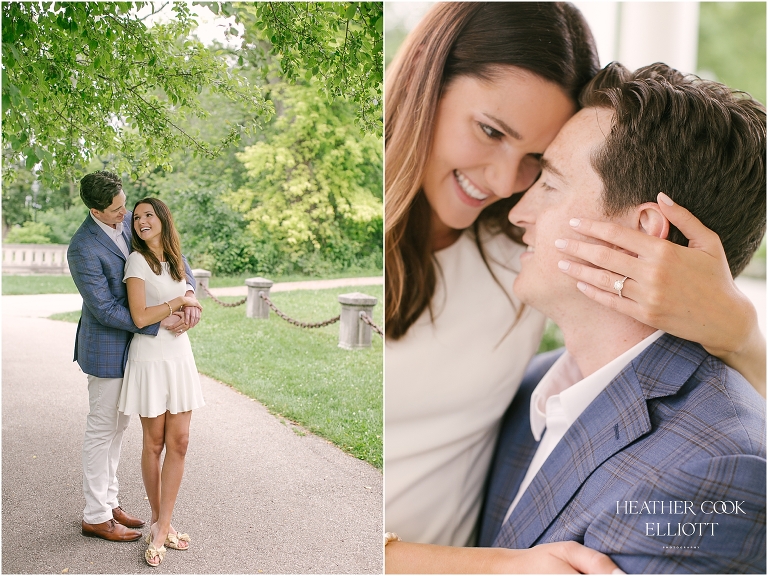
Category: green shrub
[313,199]
[29,233]
[63,223]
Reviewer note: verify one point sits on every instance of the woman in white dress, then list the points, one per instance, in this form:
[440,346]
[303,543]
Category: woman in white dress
[474,96]
[161,382]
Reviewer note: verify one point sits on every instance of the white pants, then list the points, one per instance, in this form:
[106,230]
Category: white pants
[101,448]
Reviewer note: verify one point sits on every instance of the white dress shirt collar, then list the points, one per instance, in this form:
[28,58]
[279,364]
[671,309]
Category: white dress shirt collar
[560,398]
[569,394]
[115,233]
[112,232]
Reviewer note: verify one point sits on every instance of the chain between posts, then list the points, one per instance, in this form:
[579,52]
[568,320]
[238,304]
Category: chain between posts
[295,322]
[363,316]
[367,319]
[225,304]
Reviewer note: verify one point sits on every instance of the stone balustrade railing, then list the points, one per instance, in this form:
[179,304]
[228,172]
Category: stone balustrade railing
[35,259]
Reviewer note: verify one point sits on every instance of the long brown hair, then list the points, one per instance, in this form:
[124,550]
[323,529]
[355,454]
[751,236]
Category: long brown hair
[549,39]
[170,241]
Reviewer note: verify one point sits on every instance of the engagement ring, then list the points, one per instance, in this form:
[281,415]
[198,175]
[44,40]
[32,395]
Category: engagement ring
[619,285]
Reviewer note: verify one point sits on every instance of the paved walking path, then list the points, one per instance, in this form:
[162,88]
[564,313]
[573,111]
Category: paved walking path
[258,495]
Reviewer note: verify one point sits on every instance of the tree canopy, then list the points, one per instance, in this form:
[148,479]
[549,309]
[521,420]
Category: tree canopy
[304,195]
[89,86]
[338,43]
[86,79]
[314,188]
[90,79]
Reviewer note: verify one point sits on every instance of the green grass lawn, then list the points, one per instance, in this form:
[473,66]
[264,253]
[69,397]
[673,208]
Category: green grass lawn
[42,284]
[38,284]
[300,374]
[239,280]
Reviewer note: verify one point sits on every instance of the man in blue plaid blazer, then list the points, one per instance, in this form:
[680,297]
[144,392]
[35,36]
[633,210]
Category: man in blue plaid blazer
[634,442]
[96,256]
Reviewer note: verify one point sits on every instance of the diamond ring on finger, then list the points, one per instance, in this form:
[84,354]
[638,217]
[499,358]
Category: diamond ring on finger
[619,285]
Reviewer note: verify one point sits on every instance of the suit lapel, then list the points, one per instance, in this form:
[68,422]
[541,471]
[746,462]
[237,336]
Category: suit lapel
[516,463]
[616,418]
[104,239]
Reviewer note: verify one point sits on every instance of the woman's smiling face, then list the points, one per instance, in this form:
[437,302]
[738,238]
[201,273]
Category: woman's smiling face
[488,137]
[146,223]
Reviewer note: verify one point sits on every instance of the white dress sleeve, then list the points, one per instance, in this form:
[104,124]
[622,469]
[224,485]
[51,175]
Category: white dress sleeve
[136,267]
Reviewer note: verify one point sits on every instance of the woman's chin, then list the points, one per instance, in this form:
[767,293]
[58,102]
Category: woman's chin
[460,219]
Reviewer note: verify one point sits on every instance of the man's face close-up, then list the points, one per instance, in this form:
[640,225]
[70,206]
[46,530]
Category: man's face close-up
[567,188]
[114,213]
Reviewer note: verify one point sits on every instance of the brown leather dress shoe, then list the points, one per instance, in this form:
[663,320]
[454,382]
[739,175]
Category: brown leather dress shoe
[110,530]
[122,517]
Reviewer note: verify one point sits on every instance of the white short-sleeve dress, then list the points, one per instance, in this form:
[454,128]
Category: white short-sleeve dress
[448,382]
[161,374]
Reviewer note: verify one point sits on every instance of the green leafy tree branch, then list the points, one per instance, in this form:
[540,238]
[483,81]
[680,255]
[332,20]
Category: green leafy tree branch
[87,79]
[338,43]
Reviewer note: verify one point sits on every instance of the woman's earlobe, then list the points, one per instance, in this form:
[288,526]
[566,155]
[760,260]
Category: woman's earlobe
[652,221]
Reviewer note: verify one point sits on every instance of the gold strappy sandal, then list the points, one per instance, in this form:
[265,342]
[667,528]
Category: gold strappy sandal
[154,556]
[172,541]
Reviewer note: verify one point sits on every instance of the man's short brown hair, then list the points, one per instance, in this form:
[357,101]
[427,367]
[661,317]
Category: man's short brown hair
[98,189]
[698,141]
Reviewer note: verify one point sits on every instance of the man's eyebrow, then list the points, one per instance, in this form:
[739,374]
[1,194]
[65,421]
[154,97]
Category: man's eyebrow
[504,126]
[547,165]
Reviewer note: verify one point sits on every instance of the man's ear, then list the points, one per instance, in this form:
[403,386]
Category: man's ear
[651,220]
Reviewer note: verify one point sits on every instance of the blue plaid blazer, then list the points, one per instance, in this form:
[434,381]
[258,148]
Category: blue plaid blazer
[675,425]
[105,328]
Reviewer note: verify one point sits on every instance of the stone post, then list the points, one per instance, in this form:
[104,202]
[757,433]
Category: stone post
[201,277]
[355,334]
[256,307]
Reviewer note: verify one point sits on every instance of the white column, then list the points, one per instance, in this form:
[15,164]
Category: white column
[603,20]
[641,33]
[659,32]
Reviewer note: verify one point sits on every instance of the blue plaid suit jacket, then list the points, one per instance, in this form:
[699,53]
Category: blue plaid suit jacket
[675,425]
[105,328]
